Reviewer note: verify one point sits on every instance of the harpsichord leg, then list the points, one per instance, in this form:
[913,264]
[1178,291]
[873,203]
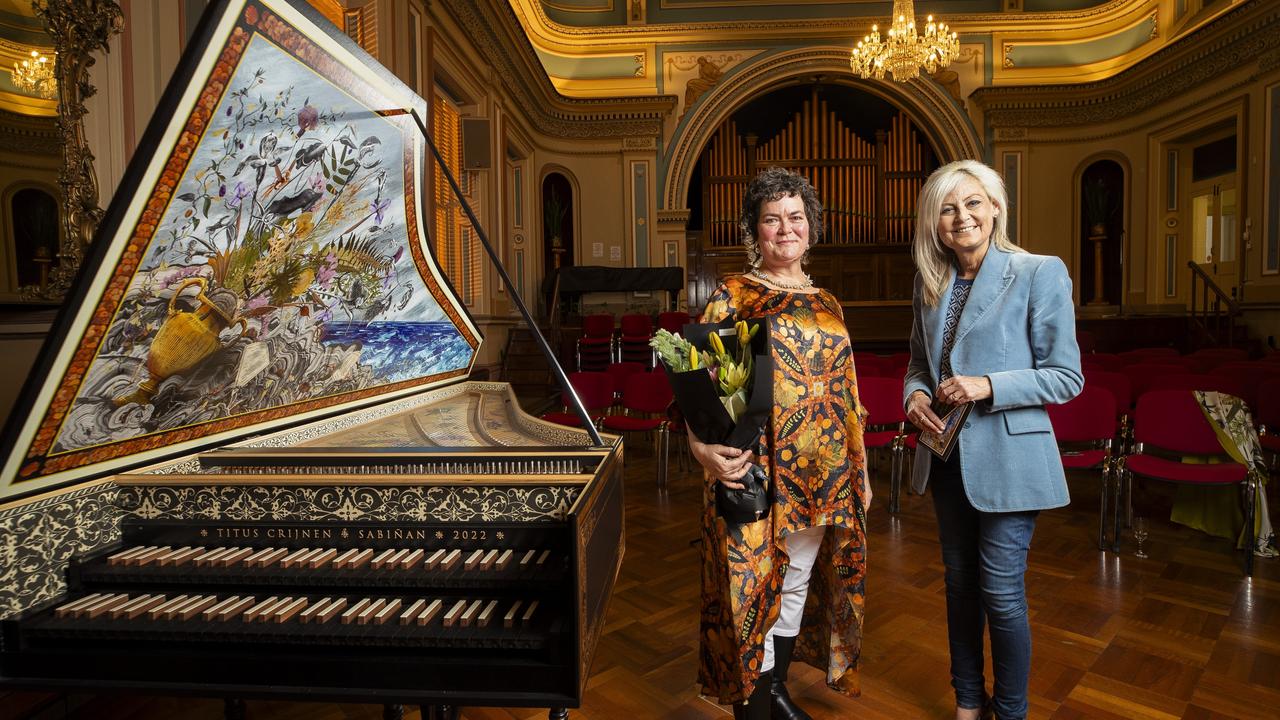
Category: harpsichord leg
[392,712]
[233,709]
[558,714]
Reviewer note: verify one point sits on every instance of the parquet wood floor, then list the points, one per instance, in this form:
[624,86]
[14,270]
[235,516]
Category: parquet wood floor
[1182,634]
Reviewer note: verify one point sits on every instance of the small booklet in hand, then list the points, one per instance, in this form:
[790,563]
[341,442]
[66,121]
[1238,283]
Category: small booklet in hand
[953,417]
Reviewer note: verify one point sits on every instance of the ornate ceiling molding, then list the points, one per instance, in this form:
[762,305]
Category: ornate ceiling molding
[31,135]
[496,33]
[680,32]
[1249,33]
[940,117]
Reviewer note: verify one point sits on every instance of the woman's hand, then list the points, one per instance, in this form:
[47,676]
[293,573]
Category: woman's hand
[961,389]
[723,463]
[920,412]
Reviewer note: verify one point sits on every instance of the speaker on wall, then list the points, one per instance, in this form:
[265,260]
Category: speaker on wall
[475,143]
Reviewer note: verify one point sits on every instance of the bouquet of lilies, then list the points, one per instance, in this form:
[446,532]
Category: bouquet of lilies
[730,372]
[722,379]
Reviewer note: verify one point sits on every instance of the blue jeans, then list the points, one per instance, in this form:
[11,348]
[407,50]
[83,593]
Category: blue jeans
[985,555]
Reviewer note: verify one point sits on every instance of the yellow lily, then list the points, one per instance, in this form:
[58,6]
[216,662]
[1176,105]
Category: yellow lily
[716,343]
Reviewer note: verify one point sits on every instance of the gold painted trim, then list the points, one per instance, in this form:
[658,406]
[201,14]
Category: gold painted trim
[291,479]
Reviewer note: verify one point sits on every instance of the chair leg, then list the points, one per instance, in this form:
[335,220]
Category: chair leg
[662,447]
[1122,479]
[1102,509]
[1251,499]
[895,481]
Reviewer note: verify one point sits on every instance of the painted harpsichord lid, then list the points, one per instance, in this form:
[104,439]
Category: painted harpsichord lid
[264,262]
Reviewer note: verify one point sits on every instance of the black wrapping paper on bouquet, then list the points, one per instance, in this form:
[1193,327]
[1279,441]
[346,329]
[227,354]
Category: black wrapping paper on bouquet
[700,402]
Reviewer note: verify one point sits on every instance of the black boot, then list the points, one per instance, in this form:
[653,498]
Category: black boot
[756,707]
[783,708]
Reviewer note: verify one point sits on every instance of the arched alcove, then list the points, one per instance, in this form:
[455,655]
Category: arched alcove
[558,232]
[1100,245]
[33,216]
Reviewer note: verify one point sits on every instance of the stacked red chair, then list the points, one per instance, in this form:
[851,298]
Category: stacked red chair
[673,321]
[596,346]
[886,427]
[595,389]
[645,397]
[1085,428]
[619,372]
[633,343]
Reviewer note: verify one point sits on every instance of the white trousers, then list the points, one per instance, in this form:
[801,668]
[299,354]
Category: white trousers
[802,548]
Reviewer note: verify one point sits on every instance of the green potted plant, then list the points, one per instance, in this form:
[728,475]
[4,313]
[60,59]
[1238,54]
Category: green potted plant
[1098,207]
[553,212]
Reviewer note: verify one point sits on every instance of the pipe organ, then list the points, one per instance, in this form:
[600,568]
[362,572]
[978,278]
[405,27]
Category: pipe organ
[868,186]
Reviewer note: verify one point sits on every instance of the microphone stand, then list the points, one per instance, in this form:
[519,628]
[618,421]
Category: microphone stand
[565,386]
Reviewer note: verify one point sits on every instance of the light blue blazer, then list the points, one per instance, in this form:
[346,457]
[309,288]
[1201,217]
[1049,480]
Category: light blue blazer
[1018,328]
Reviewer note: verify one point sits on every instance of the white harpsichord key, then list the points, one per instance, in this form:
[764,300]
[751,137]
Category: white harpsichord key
[282,614]
[314,609]
[211,613]
[354,611]
[509,619]
[387,612]
[252,613]
[75,605]
[470,615]
[454,613]
[473,560]
[408,561]
[235,609]
[504,559]
[486,615]
[342,560]
[429,613]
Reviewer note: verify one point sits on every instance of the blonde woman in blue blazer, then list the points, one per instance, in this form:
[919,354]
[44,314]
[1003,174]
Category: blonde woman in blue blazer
[994,325]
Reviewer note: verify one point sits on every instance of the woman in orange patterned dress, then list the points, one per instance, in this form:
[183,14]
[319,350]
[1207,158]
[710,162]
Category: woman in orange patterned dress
[791,584]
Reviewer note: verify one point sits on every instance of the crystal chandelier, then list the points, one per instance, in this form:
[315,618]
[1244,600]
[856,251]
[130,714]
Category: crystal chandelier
[34,75]
[903,52]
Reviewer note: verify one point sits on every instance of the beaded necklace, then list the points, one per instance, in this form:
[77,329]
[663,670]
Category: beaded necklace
[802,285]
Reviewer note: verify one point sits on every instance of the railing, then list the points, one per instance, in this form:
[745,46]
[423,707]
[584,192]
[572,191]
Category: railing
[1212,310]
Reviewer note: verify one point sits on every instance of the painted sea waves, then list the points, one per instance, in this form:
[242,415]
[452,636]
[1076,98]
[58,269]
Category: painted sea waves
[279,272]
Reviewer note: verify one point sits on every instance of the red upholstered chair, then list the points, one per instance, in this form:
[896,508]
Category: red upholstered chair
[1141,374]
[870,365]
[1199,381]
[596,346]
[1267,416]
[1122,392]
[886,427]
[619,371]
[633,340]
[1169,429]
[673,321]
[1251,375]
[1207,359]
[595,389]
[1103,361]
[1085,428]
[1087,341]
[1148,355]
[645,397]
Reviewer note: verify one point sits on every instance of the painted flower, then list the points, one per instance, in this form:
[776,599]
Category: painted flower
[308,118]
[238,194]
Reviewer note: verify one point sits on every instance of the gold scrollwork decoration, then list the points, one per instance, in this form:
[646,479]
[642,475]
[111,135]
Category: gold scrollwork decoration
[79,28]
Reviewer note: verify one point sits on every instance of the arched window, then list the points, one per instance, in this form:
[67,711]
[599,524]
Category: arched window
[35,233]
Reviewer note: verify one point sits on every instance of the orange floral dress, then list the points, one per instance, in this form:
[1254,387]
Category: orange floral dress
[813,451]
